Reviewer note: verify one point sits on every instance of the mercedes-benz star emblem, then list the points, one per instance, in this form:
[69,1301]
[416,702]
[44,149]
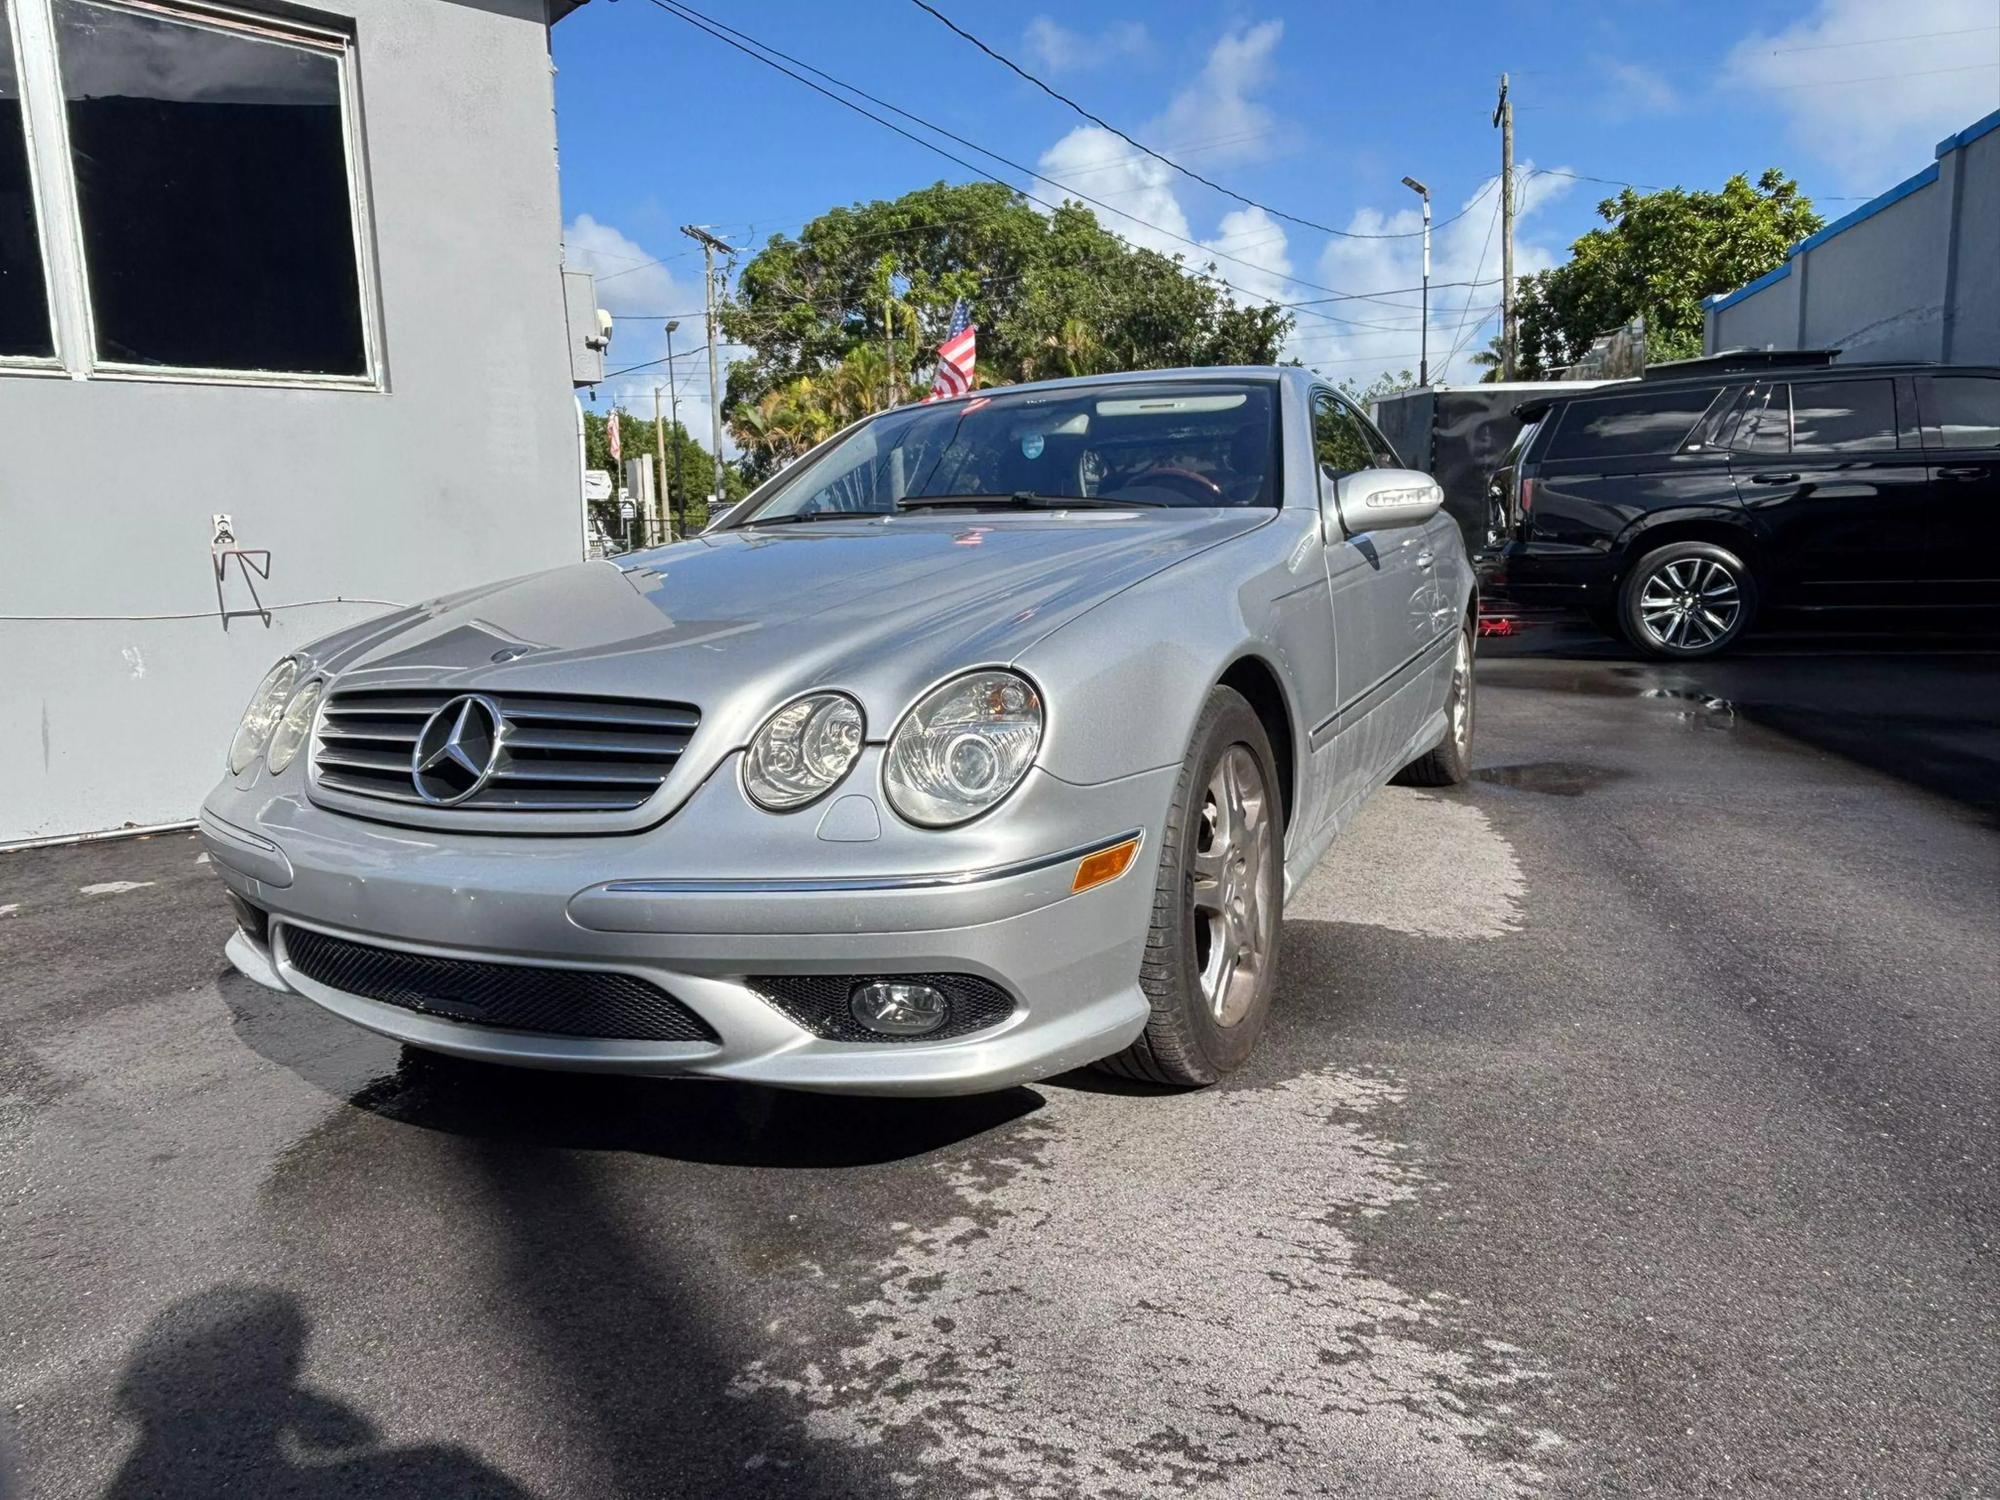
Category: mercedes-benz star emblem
[457,751]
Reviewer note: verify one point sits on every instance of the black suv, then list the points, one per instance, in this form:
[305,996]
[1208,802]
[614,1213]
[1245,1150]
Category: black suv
[1672,510]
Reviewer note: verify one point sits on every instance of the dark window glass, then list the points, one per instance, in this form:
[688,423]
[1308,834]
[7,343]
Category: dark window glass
[1383,449]
[1843,416]
[1626,426]
[1766,425]
[211,176]
[1341,442]
[24,295]
[1964,410]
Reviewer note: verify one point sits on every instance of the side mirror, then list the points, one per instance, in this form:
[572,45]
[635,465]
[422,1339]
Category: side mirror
[1377,499]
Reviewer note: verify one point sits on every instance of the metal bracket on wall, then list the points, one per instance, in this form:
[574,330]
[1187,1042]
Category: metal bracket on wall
[252,563]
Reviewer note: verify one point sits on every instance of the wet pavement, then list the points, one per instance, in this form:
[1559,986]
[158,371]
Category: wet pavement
[1627,1126]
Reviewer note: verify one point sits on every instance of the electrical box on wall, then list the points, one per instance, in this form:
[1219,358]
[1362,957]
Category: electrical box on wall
[589,328]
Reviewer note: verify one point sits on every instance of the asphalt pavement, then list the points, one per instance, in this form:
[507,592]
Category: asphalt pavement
[1627,1126]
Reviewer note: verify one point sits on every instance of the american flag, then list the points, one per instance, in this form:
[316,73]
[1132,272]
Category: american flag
[955,355]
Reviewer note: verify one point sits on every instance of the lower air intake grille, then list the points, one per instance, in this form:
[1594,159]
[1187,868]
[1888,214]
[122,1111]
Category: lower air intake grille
[510,997]
[818,1002]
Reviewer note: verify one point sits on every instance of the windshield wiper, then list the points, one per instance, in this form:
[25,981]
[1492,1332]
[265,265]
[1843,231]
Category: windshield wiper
[1021,500]
[800,517]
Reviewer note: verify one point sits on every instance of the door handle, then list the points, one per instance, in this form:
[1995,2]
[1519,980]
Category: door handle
[1425,558]
[1774,479]
[1964,471]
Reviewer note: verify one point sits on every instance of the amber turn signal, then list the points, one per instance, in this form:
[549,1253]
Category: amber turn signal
[1104,865]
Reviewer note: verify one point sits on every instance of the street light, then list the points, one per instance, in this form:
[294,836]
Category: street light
[674,401]
[1424,337]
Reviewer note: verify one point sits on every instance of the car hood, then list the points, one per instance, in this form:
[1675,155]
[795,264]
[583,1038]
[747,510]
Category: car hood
[736,622]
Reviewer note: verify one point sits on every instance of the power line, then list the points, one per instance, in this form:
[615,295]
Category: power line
[718,29]
[1884,41]
[1103,124]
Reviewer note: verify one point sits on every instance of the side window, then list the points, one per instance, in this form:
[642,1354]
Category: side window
[25,331]
[1341,444]
[1843,416]
[1766,424]
[1384,453]
[1962,411]
[1630,426]
[213,191]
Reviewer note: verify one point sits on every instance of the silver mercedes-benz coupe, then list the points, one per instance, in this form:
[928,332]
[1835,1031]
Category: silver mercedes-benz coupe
[985,741]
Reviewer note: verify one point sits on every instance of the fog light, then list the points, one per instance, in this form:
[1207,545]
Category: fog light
[898,1009]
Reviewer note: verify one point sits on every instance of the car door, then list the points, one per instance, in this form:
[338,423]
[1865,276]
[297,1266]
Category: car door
[1840,489]
[1381,594]
[1961,431]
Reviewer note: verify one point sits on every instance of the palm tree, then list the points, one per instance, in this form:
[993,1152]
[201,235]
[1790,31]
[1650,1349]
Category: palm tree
[1492,359]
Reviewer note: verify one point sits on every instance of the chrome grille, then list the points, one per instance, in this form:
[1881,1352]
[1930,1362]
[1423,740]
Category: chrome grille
[557,753]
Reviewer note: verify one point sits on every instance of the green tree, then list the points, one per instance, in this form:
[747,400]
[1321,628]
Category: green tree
[1054,294]
[1382,385]
[1663,253]
[635,440]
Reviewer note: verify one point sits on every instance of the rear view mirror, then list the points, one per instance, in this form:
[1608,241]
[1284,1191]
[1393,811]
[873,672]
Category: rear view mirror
[1377,499]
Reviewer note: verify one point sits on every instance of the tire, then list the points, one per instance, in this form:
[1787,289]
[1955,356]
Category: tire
[1209,903]
[1687,600]
[1449,761]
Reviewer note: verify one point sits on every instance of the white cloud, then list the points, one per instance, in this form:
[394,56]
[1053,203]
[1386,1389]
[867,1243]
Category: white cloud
[1386,333]
[639,291]
[1915,88]
[1060,50]
[1634,89]
[1218,106]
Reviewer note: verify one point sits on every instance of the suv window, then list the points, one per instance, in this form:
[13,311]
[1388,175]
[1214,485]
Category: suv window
[1627,426]
[1341,444]
[1843,416]
[1963,411]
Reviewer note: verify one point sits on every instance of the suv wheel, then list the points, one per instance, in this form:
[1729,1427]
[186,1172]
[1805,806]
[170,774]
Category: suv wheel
[1687,599]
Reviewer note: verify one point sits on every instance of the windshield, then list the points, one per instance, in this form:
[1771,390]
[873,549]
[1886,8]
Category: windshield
[1180,444]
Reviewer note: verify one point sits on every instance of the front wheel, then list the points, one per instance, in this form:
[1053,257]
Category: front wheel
[1212,948]
[1687,599]
[1449,761]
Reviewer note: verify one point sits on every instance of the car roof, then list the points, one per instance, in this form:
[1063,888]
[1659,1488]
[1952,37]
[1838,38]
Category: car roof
[1528,411]
[1132,377]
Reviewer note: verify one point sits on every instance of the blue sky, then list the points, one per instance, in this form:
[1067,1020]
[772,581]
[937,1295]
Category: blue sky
[1316,109]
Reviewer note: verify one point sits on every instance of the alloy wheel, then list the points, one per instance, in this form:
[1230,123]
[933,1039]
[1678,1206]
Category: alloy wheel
[1689,603]
[1234,904]
[1461,694]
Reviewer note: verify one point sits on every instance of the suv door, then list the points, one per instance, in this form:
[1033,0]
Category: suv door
[1824,468]
[1379,586]
[1961,431]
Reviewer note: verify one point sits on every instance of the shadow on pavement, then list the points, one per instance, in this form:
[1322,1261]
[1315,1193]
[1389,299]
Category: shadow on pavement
[720,1124]
[214,1386]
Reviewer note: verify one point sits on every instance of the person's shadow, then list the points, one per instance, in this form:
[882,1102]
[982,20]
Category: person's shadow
[214,1386]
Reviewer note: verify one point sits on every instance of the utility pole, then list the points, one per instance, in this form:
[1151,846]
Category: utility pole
[1503,116]
[889,339]
[709,245]
[659,464]
[676,494]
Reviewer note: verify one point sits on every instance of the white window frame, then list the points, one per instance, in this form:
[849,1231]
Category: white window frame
[32,364]
[64,258]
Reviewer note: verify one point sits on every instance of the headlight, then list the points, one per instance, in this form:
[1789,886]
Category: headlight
[261,717]
[963,747]
[802,751]
[294,726]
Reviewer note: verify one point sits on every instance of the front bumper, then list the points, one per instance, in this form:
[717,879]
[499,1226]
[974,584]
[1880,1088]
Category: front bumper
[682,908]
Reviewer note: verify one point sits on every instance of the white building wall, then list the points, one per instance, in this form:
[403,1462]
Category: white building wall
[463,468]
